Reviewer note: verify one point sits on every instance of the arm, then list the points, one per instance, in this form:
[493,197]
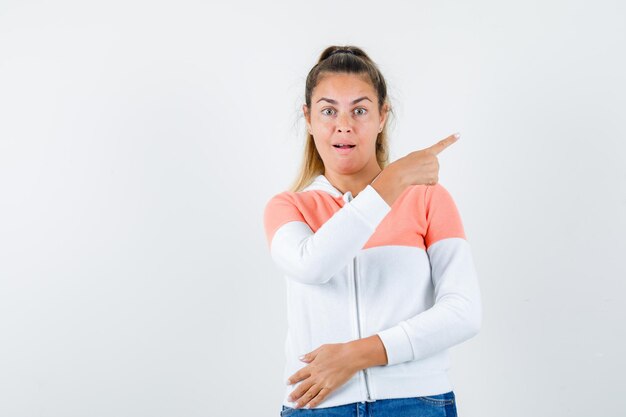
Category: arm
[368,352]
[457,313]
[313,258]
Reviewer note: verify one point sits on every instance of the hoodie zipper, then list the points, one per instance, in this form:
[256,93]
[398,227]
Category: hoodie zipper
[356,294]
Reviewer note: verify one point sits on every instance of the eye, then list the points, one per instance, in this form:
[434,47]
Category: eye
[361,108]
[327,114]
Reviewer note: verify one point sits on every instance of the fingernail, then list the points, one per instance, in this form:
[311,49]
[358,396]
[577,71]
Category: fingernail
[457,135]
[301,357]
[288,382]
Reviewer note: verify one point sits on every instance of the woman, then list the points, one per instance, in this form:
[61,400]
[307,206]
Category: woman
[380,278]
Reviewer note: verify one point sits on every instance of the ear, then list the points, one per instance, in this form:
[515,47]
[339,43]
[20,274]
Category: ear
[383,114]
[307,117]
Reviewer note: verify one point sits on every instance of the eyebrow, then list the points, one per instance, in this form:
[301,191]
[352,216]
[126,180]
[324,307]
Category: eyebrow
[330,100]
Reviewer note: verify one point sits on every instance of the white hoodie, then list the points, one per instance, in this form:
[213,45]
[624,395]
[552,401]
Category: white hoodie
[355,267]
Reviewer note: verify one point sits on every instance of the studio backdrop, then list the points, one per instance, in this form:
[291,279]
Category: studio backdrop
[141,140]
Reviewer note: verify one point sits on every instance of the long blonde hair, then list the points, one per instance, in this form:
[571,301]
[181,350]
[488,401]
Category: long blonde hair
[341,59]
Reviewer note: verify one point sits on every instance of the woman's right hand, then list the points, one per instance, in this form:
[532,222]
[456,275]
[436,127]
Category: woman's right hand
[417,167]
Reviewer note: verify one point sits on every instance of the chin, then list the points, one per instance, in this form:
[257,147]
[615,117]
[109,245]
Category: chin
[347,169]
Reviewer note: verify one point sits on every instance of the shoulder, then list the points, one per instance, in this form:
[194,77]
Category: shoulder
[280,209]
[278,197]
[437,192]
[429,190]
[426,195]
[441,214]
[287,200]
[280,204]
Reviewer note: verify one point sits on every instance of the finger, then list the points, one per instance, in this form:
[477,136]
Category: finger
[308,357]
[300,390]
[298,376]
[319,397]
[443,144]
[308,396]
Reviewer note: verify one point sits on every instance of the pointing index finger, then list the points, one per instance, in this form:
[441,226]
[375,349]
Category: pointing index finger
[443,144]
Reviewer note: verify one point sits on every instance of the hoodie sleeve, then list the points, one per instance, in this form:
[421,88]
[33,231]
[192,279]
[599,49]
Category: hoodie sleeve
[456,315]
[313,258]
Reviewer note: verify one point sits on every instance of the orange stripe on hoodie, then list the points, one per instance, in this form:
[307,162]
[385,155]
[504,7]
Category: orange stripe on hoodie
[421,216]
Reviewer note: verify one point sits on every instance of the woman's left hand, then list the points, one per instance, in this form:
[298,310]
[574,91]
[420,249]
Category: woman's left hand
[329,367]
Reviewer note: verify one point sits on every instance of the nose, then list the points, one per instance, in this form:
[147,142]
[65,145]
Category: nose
[343,123]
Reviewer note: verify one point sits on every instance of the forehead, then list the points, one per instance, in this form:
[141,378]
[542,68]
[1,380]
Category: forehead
[343,87]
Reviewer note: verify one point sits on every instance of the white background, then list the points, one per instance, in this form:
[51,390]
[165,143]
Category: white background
[140,141]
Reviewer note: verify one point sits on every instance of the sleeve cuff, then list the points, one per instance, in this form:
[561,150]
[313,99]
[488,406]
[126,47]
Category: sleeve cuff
[397,344]
[370,206]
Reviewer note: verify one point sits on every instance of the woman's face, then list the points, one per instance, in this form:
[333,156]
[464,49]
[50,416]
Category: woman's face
[344,110]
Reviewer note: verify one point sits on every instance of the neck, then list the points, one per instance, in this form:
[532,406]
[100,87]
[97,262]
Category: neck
[354,182]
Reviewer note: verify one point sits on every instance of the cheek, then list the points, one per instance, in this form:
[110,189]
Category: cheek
[323,131]
[323,125]
[321,145]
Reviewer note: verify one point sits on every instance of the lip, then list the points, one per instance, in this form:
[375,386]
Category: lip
[344,151]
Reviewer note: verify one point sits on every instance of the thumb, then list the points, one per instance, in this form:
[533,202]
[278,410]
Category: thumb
[443,144]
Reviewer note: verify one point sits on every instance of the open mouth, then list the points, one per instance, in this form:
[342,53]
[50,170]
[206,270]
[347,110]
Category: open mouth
[340,146]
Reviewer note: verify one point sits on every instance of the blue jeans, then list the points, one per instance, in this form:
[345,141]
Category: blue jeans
[441,405]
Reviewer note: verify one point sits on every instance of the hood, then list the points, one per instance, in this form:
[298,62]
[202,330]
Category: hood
[321,183]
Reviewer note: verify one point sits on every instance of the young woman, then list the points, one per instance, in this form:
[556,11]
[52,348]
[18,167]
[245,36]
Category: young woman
[380,277]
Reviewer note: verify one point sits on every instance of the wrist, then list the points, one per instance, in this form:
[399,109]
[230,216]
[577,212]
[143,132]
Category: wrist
[389,184]
[368,352]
